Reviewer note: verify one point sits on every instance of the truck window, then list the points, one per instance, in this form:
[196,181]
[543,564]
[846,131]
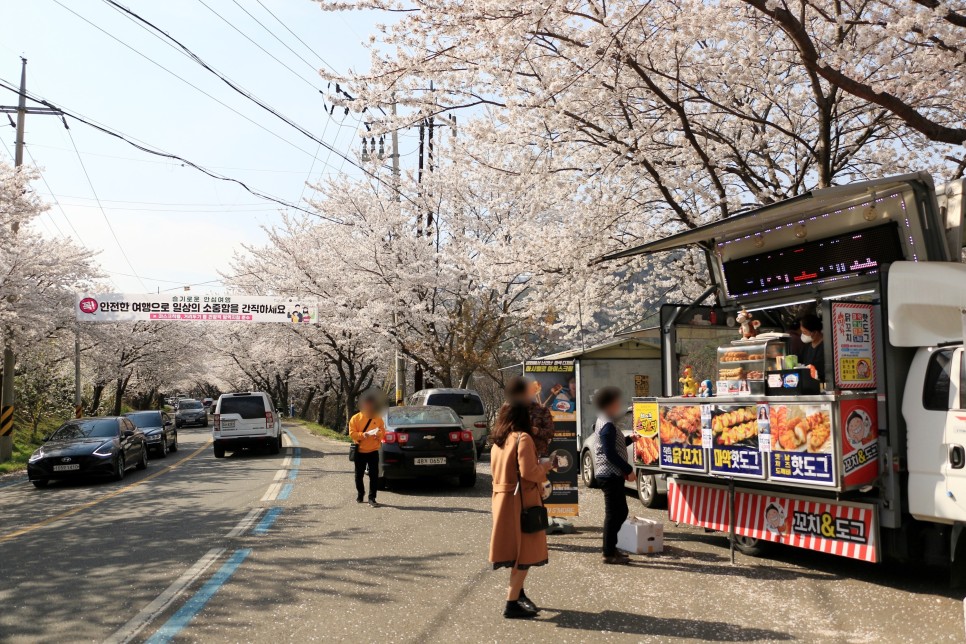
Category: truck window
[248,407]
[935,393]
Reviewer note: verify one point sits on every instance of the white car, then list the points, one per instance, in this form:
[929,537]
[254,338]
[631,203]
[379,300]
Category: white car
[246,419]
[465,402]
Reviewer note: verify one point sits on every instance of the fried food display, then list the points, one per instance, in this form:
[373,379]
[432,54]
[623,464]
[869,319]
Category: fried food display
[793,430]
[755,375]
[734,426]
[734,356]
[733,373]
[646,449]
[681,424]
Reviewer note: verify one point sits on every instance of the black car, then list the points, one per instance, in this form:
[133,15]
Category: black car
[191,412]
[89,447]
[160,434]
[426,441]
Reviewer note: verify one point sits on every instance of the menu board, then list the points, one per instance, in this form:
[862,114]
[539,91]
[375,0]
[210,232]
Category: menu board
[801,444]
[734,449]
[680,431]
[859,425]
[853,345]
[647,449]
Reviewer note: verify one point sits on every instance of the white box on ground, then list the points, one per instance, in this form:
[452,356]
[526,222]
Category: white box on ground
[641,536]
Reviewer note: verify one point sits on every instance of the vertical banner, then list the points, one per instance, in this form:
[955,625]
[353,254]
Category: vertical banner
[853,345]
[556,389]
[860,441]
[646,449]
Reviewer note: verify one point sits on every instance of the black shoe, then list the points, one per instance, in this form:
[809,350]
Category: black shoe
[516,610]
[527,603]
[358,499]
[373,503]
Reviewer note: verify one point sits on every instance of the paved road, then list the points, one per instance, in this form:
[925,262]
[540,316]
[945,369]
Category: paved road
[275,549]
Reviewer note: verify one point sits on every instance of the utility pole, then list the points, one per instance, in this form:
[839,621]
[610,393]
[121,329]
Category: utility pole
[9,359]
[400,362]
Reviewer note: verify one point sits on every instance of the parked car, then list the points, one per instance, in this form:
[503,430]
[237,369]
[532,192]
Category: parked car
[160,434]
[246,419]
[107,446]
[465,402]
[426,441]
[190,412]
[648,486]
[208,403]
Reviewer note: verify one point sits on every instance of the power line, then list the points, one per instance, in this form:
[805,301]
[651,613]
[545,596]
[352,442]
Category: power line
[161,153]
[286,27]
[104,212]
[272,34]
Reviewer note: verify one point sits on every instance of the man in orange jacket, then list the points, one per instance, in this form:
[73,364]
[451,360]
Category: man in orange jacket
[367,429]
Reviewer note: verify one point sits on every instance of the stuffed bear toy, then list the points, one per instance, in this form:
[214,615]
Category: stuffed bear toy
[747,324]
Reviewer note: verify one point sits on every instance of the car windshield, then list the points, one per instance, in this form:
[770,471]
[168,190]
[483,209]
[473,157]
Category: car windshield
[144,419]
[402,416]
[194,404]
[247,407]
[462,404]
[94,428]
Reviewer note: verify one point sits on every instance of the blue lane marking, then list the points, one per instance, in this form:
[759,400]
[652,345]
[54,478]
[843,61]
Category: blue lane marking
[267,521]
[286,491]
[15,482]
[292,438]
[193,606]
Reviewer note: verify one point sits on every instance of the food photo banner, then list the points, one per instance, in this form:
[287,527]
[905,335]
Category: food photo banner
[130,307]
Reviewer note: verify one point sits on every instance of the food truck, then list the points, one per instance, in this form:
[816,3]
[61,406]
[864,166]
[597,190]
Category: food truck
[866,459]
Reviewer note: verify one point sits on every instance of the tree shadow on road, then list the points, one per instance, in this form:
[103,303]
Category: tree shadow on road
[670,627]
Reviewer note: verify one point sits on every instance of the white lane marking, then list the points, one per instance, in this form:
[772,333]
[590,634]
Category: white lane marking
[286,440]
[272,492]
[150,612]
[244,524]
[280,474]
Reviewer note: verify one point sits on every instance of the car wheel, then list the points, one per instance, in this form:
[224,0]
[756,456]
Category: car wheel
[206,424]
[163,450]
[383,484]
[750,546]
[40,483]
[174,445]
[587,468]
[119,468]
[219,451]
[143,462]
[275,446]
[468,479]
[646,489]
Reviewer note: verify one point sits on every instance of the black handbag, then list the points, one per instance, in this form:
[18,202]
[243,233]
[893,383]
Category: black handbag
[533,519]
[354,448]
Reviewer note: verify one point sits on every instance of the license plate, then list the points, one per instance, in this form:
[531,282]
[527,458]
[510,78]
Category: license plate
[66,468]
[228,424]
[430,461]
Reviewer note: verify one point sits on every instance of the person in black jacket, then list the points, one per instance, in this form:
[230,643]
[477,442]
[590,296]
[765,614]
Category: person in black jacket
[612,468]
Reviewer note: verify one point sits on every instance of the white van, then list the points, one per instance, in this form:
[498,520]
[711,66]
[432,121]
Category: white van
[465,402]
[246,419]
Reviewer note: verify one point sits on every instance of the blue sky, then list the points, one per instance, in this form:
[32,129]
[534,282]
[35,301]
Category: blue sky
[174,223]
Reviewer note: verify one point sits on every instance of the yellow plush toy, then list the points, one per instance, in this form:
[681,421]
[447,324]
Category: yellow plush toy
[689,386]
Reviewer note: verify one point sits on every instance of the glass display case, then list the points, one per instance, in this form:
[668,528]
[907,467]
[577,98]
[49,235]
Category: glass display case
[743,363]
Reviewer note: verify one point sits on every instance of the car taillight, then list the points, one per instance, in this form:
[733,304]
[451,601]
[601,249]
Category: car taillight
[480,424]
[467,436]
[390,437]
[454,437]
[269,419]
[217,422]
[402,437]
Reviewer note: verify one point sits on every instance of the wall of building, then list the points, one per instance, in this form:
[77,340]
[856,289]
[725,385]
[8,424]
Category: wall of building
[594,373]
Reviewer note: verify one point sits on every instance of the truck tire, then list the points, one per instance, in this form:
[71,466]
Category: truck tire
[749,546]
[646,489]
[587,468]
[219,450]
[275,446]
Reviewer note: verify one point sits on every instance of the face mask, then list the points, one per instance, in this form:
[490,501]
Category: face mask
[807,339]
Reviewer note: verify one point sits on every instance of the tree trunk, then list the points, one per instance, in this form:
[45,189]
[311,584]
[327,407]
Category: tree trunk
[308,403]
[119,393]
[96,399]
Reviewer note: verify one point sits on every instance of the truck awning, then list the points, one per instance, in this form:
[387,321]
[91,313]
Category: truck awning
[752,221]
[926,301]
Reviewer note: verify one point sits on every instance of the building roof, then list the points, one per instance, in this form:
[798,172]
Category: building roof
[618,348]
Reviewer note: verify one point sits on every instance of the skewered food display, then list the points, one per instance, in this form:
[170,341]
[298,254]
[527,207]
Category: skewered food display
[646,449]
[681,424]
[755,375]
[734,426]
[795,430]
[731,373]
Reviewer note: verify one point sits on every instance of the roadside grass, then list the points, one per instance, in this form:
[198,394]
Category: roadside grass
[23,447]
[322,430]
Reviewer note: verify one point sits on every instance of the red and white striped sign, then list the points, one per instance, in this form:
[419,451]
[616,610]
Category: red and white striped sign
[844,529]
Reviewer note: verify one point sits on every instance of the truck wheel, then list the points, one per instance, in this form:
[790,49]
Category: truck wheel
[219,451]
[276,445]
[587,468]
[646,489]
[750,546]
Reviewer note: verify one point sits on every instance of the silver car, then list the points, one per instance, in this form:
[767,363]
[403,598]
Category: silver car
[465,402]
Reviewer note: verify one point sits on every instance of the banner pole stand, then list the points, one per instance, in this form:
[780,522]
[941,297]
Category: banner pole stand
[731,518]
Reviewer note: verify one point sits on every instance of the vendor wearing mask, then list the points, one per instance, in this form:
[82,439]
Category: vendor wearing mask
[813,351]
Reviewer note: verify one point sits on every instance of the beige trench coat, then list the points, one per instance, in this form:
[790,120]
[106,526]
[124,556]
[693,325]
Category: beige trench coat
[509,546]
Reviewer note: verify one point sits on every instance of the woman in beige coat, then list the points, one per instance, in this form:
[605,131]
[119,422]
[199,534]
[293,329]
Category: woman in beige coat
[517,483]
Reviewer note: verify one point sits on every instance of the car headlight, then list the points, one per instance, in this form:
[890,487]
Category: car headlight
[107,449]
[36,456]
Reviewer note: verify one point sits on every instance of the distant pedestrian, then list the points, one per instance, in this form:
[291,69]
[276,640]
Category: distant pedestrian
[612,468]
[519,390]
[367,430]
[518,476]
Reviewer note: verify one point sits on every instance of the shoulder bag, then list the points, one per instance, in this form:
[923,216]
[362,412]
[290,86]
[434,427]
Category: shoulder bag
[354,448]
[533,519]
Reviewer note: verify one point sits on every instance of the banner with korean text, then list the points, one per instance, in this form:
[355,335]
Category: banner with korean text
[128,307]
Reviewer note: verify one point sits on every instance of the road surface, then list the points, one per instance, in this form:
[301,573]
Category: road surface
[258,548]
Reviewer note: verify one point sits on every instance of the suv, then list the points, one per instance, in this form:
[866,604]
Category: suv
[465,402]
[190,412]
[246,419]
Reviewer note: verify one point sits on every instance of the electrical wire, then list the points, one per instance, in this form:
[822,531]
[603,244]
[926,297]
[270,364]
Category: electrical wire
[272,34]
[286,27]
[103,212]
[144,147]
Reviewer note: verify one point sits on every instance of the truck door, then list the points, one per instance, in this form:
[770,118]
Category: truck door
[954,435]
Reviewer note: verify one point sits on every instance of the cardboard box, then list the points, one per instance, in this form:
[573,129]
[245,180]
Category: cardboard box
[641,536]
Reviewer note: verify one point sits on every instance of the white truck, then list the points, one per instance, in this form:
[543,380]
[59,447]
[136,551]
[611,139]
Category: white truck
[865,460]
